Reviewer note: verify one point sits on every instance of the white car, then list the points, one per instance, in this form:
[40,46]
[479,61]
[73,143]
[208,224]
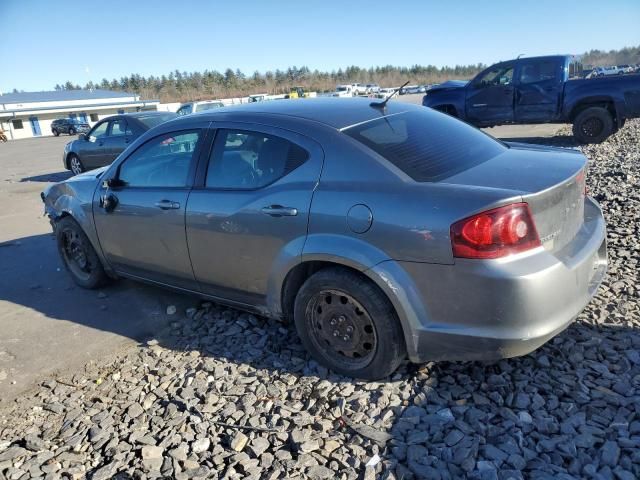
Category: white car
[604,71]
[193,107]
[385,92]
[372,88]
[344,91]
[359,88]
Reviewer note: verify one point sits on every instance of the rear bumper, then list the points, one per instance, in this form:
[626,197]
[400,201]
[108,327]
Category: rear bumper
[491,309]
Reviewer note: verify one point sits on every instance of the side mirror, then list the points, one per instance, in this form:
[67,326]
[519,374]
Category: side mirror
[113,183]
[82,136]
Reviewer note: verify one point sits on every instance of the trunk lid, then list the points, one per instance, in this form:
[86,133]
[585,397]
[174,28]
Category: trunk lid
[550,180]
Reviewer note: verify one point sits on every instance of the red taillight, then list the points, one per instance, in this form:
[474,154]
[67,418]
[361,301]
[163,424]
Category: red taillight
[495,233]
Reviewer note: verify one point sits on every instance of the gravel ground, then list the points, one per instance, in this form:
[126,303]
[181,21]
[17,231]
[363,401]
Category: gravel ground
[224,394]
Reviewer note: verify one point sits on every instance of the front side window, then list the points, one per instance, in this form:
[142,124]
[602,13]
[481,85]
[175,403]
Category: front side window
[425,145]
[538,72]
[99,131]
[499,75]
[243,160]
[161,162]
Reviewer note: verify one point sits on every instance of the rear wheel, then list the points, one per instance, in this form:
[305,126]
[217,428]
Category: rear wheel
[75,164]
[72,131]
[593,125]
[349,325]
[78,255]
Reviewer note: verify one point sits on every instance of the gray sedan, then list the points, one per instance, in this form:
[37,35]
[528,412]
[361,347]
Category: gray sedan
[383,232]
[108,138]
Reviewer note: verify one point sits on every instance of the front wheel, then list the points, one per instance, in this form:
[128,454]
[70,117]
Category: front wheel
[56,132]
[593,125]
[75,165]
[78,255]
[348,325]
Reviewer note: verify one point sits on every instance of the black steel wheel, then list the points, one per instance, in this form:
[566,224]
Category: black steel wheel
[593,125]
[78,255]
[342,328]
[348,325]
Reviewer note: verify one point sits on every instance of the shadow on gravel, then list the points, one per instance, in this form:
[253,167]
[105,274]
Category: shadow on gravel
[49,177]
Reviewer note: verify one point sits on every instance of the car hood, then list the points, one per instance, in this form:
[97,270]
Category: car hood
[449,85]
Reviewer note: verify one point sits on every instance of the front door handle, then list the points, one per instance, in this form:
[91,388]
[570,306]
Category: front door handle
[167,205]
[280,211]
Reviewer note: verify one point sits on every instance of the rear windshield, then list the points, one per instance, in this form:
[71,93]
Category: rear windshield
[426,145]
[151,121]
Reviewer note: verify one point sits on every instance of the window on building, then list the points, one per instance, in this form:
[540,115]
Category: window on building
[121,111]
[17,124]
[94,117]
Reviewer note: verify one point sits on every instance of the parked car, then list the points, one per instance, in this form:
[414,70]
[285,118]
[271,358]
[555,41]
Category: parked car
[193,107]
[413,89]
[344,91]
[359,89]
[372,88]
[625,68]
[541,90]
[605,71]
[381,231]
[108,138]
[385,92]
[70,126]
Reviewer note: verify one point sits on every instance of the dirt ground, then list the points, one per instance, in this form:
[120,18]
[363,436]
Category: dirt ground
[48,324]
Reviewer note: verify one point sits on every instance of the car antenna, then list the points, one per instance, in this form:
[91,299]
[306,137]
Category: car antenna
[383,103]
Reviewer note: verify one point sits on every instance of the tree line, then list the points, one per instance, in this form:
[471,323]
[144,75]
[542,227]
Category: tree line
[180,86]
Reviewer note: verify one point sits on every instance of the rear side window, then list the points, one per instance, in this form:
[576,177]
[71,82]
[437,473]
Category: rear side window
[244,160]
[538,72]
[426,145]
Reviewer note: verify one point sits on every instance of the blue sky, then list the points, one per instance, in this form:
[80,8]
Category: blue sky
[49,42]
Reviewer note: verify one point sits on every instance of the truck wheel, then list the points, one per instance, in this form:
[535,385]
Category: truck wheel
[78,255]
[593,125]
[349,325]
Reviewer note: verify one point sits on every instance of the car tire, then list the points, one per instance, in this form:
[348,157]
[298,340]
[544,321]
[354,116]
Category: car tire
[592,125]
[55,132]
[72,131]
[78,255]
[362,336]
[75,164]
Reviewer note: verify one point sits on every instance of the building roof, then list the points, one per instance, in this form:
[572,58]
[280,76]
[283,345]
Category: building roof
[61,96]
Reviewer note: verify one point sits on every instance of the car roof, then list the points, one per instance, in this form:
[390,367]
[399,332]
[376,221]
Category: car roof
[334,112]
[144,113]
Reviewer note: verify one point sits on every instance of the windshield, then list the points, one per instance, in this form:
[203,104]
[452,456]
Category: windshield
[151,121]
[341,89]
[426,145]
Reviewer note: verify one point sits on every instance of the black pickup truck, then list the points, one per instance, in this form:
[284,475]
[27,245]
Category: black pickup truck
[541,90]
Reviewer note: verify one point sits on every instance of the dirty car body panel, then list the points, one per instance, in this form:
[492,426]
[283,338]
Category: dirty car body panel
[364,206]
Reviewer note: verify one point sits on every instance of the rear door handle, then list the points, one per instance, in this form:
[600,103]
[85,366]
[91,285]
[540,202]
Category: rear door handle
[280,211]
[167,205]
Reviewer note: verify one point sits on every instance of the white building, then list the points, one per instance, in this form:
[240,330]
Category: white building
[29,114]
